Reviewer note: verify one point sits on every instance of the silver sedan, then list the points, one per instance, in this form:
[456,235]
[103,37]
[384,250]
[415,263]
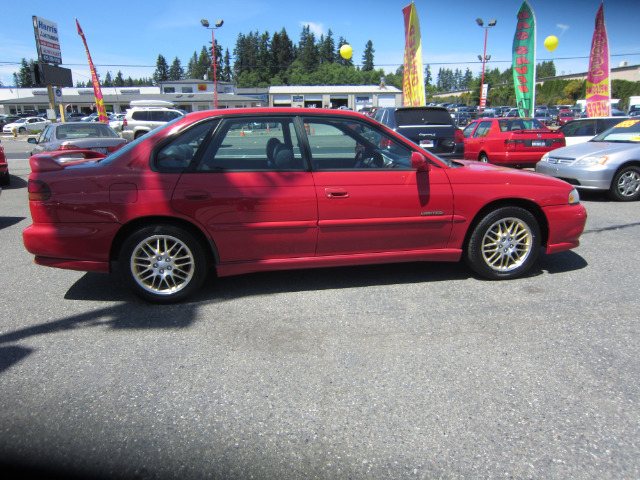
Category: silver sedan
[77,135]
[610,161]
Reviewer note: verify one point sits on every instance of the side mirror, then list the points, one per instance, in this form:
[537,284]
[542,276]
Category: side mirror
[419,162]
[32,140]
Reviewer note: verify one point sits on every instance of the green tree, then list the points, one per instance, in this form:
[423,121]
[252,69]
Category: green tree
[22,78]
[282,49]
[327,48]
[176,72]
[308,52]
[367,57]
[203,65]
[119,80]
[162,70]
[192,66]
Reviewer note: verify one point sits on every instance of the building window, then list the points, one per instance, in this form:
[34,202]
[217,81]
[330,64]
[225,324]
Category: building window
[169,90]
[187,89]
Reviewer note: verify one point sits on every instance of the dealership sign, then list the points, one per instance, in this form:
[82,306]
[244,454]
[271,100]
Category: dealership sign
[47,41]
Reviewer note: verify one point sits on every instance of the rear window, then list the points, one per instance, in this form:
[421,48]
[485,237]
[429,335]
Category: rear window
[426,116]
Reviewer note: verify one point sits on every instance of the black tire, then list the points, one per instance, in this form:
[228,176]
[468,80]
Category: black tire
[5,179]
[484,158]
[625,186]
[22,130]
[163,263]
[505,244]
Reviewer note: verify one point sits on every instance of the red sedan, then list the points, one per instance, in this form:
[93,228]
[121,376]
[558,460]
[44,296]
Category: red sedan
[248,190]
[565,115]
[518,142]
[4,168]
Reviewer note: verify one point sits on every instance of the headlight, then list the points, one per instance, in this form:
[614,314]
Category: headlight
[590,161]
[545,157]
[574,197]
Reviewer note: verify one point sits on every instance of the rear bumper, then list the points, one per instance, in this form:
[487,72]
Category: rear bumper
[76,246]
[566,224]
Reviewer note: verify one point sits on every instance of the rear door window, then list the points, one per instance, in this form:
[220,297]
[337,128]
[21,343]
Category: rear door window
[417,116]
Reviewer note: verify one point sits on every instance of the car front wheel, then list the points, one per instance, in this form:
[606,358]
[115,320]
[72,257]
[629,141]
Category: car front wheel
[484,158]
[163,264]
[625,186]
[505,244]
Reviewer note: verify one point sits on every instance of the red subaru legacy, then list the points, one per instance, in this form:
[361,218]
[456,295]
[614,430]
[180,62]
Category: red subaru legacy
[517,142]
[248,190]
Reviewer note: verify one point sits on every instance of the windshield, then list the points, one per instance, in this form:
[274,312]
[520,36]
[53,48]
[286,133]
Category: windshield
[627,131]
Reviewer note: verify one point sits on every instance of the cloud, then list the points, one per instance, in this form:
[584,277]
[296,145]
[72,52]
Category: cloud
[562,27]
[315,28]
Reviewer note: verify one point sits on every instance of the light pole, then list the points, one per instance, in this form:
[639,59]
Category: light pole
[205,24]
[484,58]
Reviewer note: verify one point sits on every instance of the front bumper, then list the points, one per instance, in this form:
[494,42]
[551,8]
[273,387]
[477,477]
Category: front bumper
[588,178]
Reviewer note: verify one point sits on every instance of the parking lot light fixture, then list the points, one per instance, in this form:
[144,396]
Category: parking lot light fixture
[218,24]
[484,58]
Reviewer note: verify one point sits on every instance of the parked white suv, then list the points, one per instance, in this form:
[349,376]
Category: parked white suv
[147,115]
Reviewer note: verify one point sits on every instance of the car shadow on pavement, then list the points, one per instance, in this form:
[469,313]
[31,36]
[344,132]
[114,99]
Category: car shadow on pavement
[9,221]
[99,287]
[16,183]
[11,355]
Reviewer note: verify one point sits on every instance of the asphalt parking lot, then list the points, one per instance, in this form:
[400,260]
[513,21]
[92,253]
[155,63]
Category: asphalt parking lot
[394,371]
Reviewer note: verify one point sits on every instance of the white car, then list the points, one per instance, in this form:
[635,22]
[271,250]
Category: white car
[27,124]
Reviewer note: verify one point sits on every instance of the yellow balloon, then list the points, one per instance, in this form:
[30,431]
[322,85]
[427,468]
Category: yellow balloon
[551,42]
[346,51]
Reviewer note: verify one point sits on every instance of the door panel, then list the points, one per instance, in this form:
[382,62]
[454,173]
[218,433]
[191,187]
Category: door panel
[252,192]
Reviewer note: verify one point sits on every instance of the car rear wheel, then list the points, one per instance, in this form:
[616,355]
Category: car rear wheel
[505,244]
[163,263]
[22,130]
[484,158]
[5,179]
[625,186]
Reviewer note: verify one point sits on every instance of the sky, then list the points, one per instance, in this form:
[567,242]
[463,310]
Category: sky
[129,35]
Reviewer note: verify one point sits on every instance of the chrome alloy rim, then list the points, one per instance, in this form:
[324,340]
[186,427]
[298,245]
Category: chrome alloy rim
[507,244]
[162,264]
[629,183]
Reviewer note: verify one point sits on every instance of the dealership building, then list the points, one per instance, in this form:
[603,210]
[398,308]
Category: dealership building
[196,95]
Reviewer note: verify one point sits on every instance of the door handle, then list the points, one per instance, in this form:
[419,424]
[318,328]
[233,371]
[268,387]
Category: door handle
[336,193]
[197,195]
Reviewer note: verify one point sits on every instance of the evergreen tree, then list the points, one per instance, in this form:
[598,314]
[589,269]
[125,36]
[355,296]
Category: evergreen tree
[162,70]
[203,65]
[327,48]
[282,49]
[308,52]
[119,80]
[427,75]
[22,78]
[176,72]
[192,66]
[225,71]
[367,57]
[107,82]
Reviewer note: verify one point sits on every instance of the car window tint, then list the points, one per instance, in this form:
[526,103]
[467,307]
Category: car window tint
[338,144]
[483,129]
[423,116]
[178,154]
[254,144]
[140,115]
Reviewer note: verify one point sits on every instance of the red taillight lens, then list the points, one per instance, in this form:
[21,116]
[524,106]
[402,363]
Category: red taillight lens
[68,146]
[124,123]
[38,191]
[458,136]
[114,148]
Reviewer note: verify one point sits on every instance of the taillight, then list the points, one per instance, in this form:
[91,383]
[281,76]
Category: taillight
[385,142]
[38,191]
[68,146]
[512,143]
[124,123]
[114,148]
[458,136]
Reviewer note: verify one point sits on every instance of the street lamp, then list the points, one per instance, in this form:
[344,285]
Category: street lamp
[484,57]
[218,24]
